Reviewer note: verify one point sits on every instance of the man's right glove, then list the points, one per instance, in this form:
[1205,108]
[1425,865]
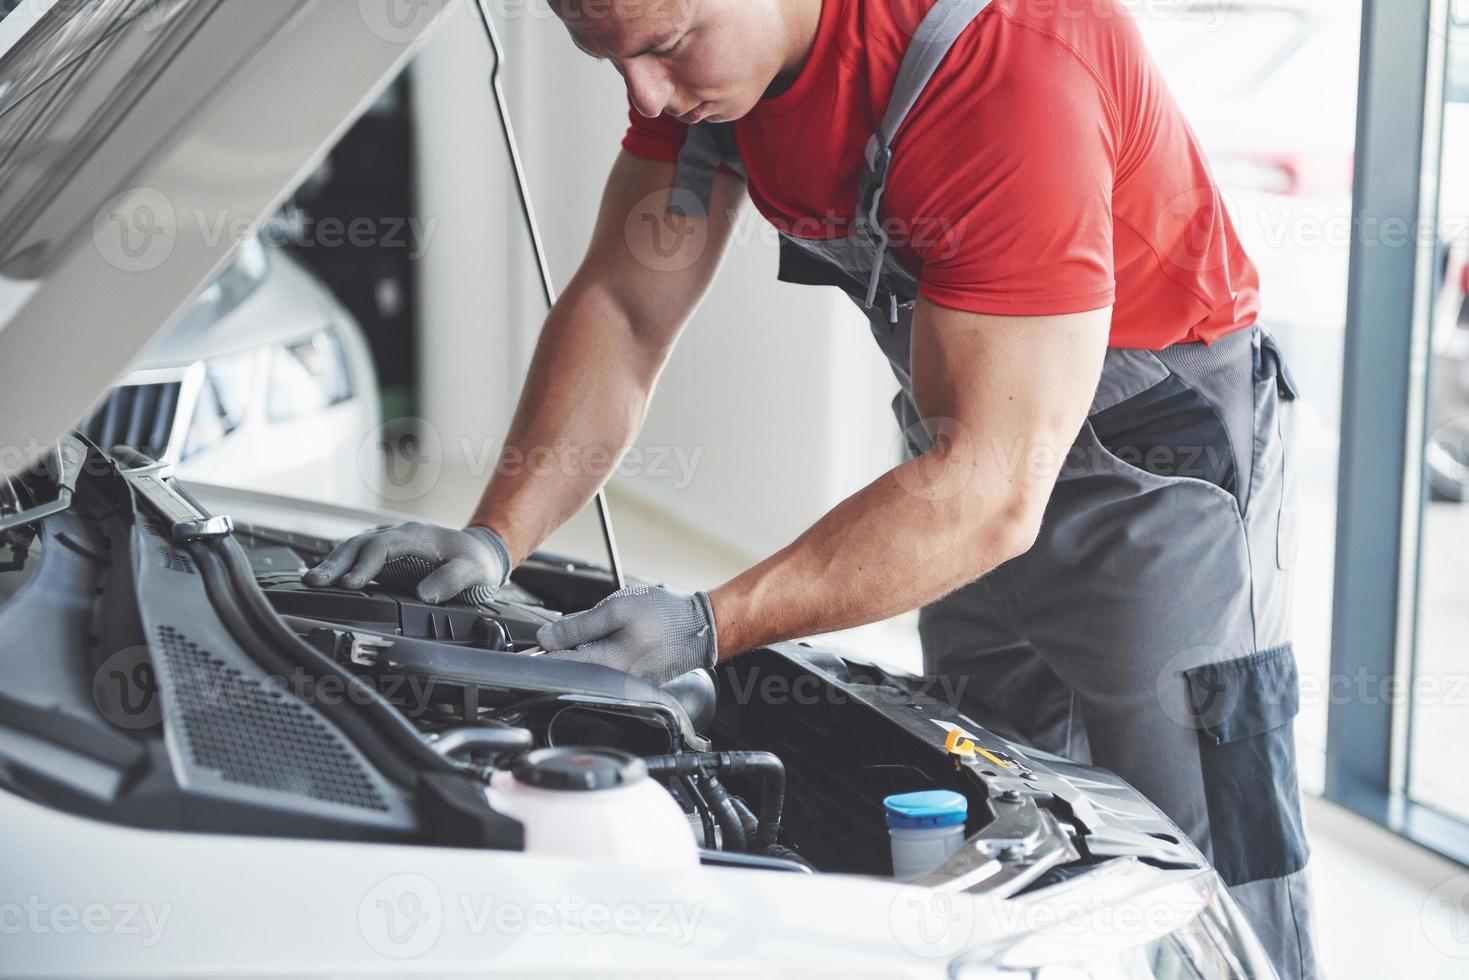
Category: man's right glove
[438,563]
[646,631]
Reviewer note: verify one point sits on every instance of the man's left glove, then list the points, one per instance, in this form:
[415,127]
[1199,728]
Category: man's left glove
[645,631]
[438,563]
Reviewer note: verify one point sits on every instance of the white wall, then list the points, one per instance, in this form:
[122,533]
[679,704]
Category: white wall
[471,266]
[776,395]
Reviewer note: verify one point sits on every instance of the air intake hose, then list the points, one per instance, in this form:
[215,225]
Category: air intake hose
[766,765]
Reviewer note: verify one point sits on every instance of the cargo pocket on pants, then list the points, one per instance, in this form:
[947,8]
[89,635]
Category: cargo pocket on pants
[1244,711]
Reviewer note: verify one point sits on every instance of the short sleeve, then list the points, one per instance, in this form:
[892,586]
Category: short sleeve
[1002,184]
[656,139]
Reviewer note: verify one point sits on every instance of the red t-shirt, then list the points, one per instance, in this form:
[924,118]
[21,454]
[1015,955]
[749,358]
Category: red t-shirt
[1046,168]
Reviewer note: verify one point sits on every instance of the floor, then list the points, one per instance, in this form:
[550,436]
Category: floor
[1384,907]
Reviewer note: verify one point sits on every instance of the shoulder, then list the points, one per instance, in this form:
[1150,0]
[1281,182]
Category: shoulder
[1018,82]
[1019,48]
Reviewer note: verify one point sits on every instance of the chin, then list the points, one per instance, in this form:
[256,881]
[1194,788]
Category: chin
[729,112]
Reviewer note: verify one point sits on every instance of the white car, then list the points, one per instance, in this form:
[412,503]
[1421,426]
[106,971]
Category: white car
[1446,455]
[209,769]
[265,382]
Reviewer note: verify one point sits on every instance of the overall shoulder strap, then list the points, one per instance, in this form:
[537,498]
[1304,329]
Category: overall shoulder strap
[935,35]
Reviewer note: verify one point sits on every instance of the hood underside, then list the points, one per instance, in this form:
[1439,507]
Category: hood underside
[140,142]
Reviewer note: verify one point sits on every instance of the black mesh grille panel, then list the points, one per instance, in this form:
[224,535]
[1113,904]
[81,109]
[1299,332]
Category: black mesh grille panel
[140,416]
[254,735]
[177,561]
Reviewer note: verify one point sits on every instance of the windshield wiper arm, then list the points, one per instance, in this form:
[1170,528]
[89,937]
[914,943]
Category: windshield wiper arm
[62,464]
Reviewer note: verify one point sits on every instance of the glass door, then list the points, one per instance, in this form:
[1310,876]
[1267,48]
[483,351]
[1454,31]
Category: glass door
[1438,695]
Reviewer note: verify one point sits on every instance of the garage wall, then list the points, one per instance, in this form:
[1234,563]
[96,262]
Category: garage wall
[469,269]
[774,406]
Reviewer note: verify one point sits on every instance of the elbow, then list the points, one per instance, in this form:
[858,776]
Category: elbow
[1015,537]
[990,527]
[1015,527]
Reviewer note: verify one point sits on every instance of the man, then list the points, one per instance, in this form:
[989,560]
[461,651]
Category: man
[1094,515]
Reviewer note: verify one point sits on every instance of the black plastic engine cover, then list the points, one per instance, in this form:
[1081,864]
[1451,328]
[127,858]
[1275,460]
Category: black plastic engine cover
[379,611]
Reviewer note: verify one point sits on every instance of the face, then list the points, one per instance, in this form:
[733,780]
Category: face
[694,60]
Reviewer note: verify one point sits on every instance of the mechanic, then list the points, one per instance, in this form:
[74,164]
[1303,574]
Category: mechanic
[1094,513]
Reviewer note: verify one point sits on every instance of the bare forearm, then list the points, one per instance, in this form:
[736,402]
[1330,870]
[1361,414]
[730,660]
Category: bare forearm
[584,400]
[601,350]
[1003,398]
[880,552]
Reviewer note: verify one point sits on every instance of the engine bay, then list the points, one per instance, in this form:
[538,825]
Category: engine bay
[781,758]
[168,668]
[470,674]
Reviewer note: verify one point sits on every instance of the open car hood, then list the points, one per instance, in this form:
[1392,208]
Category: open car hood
[140,142]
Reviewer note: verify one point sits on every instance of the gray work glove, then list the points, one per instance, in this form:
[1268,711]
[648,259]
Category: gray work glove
[646,631]
[438,563]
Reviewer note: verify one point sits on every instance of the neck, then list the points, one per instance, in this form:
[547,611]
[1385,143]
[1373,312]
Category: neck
[803,18]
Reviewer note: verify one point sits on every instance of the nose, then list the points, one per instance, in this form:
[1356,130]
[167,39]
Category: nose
[649,86]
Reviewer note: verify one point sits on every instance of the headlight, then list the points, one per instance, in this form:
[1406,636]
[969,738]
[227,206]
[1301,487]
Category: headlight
[221,403]
[1184,928]
[293,380]
[307,376]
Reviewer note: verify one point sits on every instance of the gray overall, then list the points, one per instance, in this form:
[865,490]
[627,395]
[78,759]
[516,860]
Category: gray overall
[1148,629]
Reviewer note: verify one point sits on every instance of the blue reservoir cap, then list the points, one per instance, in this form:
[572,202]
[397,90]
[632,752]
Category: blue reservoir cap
[930,808]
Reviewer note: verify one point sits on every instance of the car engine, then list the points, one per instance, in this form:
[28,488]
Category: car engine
[167,668]
[470,678]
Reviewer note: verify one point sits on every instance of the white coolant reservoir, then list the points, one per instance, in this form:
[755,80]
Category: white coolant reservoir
[594,803]
[924,829]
